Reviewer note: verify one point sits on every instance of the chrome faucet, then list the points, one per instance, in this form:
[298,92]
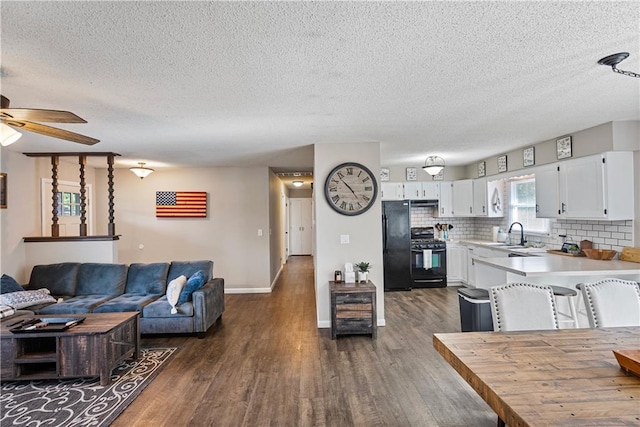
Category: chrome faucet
[522,241]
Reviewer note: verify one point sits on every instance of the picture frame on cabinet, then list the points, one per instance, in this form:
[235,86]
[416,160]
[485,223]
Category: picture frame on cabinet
[502,163]
[482,169]
[384,174]
[412,174]
[529,156]
[439,176]
[563,148]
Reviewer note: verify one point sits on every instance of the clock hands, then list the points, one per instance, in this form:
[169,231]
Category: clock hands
[350,189]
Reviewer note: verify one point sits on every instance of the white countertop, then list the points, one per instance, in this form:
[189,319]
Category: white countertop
[558,265]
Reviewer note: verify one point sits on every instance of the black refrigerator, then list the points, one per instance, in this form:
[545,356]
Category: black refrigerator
[396,245]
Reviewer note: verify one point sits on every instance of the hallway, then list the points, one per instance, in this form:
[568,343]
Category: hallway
[267,363]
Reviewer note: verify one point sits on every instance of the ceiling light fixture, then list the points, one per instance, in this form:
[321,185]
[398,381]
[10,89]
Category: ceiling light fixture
[433,165]
[8,135]
[298,183]
[141,171]
[615,59]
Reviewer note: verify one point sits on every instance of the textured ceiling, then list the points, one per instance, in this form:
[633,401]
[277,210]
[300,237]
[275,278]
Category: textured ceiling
[257,83]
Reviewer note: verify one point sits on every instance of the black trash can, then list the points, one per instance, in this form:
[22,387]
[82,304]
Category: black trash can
[475,310]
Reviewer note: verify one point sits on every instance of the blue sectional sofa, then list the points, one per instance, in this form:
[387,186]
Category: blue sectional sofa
[101,288]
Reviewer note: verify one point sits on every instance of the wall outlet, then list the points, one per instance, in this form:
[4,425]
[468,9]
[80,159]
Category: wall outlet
[259,232]
[344,239]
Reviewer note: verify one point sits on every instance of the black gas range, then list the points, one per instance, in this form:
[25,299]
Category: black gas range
[428,259]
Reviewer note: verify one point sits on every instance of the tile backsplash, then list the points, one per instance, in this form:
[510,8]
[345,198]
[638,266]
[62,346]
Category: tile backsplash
[604,234]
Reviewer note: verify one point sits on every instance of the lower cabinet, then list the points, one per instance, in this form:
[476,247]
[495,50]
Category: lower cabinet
[456,263]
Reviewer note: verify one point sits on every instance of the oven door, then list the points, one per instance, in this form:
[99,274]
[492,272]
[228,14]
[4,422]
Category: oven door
[431,274]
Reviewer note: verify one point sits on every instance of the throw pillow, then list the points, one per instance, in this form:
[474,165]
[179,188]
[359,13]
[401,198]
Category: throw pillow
[195,282]
[173,291]
[25,299]
[9,284]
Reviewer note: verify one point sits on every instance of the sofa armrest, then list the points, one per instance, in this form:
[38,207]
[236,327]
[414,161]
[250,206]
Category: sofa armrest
[208,304]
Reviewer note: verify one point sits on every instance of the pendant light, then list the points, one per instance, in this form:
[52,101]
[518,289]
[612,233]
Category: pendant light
[141,171]
[433,165]
[615,59]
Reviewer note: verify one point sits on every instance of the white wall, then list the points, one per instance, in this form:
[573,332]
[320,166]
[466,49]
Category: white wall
[238,205]
[365,230]
[22,216]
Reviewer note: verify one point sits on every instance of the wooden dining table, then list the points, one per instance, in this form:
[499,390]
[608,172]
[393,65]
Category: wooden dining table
[565,377]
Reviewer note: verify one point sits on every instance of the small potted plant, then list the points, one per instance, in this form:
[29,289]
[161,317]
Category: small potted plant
[363,271]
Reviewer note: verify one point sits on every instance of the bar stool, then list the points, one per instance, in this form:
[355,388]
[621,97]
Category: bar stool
[572,316]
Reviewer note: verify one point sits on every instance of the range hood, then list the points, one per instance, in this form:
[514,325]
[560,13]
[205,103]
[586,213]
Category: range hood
[424,203]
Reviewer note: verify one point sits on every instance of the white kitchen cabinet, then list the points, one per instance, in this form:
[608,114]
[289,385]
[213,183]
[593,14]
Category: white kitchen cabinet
[392,191]
[598,187]
[417,190]
[456,263]
[445,201]
[488,198]
[547,191]
[463,197]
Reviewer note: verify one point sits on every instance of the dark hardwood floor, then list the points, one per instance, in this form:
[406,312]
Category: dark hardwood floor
[267,364]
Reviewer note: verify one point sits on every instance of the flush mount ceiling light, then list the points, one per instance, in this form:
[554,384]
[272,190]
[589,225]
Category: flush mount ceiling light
[298,183]
[8,135]
[433,165]
[615,59]
[141,171]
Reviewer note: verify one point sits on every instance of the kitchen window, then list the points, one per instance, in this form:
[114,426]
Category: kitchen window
[523,206]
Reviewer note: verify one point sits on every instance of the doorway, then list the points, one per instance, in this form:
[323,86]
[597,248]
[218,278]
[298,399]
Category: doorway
[300,226]
[68,208]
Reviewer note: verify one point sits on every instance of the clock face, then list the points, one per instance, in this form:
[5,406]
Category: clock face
[350,189]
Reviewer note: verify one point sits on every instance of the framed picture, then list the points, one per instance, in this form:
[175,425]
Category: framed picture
[3,191]
[502,163]
[482,169]
[529,156]
[439,176]
[563,147]
[384,174]
[412,174]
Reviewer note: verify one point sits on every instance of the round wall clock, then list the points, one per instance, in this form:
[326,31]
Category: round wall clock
[350,189]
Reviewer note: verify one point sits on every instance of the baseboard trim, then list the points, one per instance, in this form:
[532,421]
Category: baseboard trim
[247,291]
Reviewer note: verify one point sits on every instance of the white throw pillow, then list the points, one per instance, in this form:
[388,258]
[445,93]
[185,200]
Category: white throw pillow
[173,291]
[23,299]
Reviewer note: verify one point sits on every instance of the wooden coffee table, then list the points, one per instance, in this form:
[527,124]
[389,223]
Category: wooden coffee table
[90,349]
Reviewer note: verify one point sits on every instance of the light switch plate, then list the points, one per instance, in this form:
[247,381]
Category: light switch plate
[344,239]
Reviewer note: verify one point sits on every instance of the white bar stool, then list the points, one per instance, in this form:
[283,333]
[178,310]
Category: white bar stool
[572,316]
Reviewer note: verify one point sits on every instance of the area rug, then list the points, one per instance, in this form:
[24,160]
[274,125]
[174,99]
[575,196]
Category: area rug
[80,402]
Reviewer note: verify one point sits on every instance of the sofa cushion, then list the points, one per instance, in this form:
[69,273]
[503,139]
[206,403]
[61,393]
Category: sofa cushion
[188,268]
[162,308]
[8,284]
[173,292]
[76,305]
[24,299]
[126,302]
[60,279]
[147,278]
[195,282]
[101,279]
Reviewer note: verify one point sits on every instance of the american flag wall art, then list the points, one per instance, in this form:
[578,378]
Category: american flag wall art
[181,204]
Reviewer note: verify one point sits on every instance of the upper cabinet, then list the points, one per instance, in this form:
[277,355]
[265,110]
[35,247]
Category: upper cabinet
[598,187]
[445,201]
[417,190]
[392,191]
[463,197]
[488,198]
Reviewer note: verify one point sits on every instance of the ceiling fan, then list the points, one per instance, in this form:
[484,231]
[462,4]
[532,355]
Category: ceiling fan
[24,118]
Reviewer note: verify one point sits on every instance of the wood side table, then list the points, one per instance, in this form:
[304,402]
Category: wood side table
[353,308]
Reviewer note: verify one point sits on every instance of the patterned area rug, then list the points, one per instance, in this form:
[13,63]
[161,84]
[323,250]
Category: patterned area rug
[83,401]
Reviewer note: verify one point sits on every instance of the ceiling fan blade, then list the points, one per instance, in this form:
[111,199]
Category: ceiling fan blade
[38,115]
[51,131]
